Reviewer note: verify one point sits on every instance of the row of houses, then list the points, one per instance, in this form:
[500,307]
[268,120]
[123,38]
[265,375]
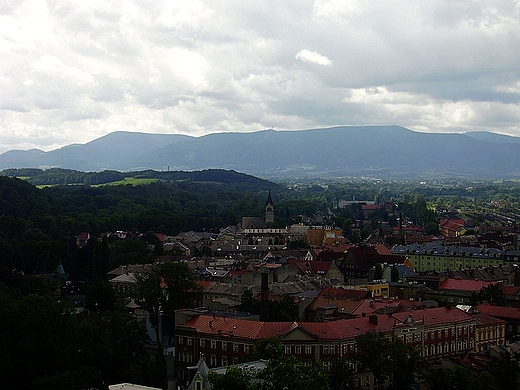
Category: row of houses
[438,333]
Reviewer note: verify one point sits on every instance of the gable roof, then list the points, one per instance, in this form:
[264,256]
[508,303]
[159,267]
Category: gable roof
[316,268]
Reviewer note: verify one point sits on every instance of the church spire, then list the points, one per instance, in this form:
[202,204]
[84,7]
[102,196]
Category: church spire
[269,210]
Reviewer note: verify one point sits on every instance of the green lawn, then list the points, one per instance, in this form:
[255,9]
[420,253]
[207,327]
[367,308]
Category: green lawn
[132,181]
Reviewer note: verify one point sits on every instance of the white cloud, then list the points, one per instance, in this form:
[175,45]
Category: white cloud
[312,57]
[74,71]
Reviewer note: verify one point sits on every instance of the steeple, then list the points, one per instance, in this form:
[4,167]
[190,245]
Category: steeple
[269,210]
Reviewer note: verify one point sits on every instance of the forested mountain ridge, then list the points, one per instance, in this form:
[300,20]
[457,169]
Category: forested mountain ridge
[345,151]
[59,176]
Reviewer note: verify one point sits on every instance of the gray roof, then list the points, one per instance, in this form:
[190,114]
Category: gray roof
[446,250]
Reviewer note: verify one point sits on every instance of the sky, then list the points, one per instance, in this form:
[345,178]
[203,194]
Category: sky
[73,71]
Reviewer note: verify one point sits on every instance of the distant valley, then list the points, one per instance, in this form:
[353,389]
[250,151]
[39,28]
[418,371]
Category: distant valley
[346,151]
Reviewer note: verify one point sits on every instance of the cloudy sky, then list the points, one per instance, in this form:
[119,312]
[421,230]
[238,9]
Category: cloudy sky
[72,71]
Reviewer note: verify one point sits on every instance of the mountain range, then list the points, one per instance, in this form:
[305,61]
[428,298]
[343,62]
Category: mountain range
[345,151]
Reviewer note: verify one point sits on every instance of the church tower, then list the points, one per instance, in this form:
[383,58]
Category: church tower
[269,210]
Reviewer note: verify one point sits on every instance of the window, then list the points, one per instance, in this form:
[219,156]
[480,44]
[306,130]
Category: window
[190,340]
[308,349]
[235,347]
[224,361]
[202,342]
[287,349]
[246,348]
[327,366]
[298,350]
[213,344]
[185,356]
[181,340]
[224,345]
[213,360]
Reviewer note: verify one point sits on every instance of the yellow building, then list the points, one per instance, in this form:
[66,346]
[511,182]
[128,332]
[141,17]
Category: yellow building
[324,235]
[376,289]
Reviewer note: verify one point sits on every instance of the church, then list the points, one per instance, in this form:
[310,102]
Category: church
[260,222]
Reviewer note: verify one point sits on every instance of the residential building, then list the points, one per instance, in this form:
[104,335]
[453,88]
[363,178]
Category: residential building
[437,333]
[452,227]
[511,315]
[324,235]
[360,259]
[490,331]
[437,257]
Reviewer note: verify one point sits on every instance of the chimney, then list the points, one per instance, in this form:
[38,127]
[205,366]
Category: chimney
[373,319]
[211,323]
[264,295]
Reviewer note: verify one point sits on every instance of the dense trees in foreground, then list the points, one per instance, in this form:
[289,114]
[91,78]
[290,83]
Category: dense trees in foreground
[45,344]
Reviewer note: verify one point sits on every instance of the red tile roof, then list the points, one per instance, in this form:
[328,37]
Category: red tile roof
[510,290]
[246,329]
[370,207]
[500,311]
[484,319]
[319,268]
[464,285]
[335,330]
[369,306]
[204,284]
[383,250]
[436,316]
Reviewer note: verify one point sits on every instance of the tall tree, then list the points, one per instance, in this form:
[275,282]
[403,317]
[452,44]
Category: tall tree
[506,370]
[180,289]
[372,354]
[405,363]
[284,309]
[378,273]
[149,294]
[342,376]
[394,274]
[287,372]
[233,379]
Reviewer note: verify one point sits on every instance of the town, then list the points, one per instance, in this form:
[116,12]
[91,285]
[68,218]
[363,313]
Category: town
[424,292]
[334,299]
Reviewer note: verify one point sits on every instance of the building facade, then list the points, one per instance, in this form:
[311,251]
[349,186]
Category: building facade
[440,258]
[438,333]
